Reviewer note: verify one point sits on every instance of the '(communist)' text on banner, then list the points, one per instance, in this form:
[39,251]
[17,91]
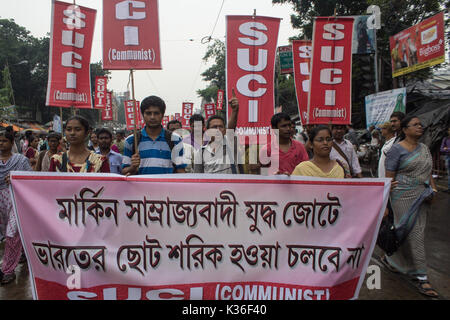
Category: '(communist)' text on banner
[330,95]
[418,47]
[131,35]
[155,238]
[251,52]
[302,66]
[69,81]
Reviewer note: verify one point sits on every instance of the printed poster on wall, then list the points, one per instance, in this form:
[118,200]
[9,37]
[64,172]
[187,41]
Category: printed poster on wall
[381,105]
[418,47]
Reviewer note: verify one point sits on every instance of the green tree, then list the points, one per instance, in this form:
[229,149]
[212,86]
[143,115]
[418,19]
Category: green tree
[216,73]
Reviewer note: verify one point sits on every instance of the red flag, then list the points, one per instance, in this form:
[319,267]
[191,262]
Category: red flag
[129,115]
[302,50]
[131,35]
[69,82]
[107,114]
[210,110]
[100,92]
[186,113]
[251,53]
[220,96]
[330,94]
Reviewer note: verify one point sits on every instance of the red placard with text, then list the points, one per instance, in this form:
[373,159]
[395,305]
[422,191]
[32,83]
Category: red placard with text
[69,82]
[301,50]
[186,113]
[100,92]
[129,115]
[251,53]
[220,97]
[210,110]
[131,35]
[330,94]
[107,114]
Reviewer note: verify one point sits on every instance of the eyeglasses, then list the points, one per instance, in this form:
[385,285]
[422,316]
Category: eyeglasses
[327,139]
[416,125]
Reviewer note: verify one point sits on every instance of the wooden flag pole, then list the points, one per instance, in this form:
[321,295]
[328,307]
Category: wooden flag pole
[134,111]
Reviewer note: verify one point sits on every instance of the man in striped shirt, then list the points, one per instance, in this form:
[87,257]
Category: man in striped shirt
[158,151]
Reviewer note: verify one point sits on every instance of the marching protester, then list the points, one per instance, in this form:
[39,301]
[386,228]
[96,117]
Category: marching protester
[288,151]
[220,155]
[395,119]
[321,165]
[344,151]
[445,150]
[78,158]
[15,147]
[43,163]
[8,225]
[104,137]
[93,142]
[119,142]
[154,154]
[389,136]
[409,162]
[32,153]
[174,125]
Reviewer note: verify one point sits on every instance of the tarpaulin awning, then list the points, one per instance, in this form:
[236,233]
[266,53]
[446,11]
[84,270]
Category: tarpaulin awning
[15,128]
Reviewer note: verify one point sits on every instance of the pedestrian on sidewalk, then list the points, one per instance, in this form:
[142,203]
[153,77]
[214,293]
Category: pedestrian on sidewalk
[445,150]
[409,162]
[8,226]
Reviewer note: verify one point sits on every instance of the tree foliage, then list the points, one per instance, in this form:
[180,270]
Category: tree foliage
[216,73]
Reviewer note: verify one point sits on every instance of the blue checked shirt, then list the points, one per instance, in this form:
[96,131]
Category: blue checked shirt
[156,157]
[115,161]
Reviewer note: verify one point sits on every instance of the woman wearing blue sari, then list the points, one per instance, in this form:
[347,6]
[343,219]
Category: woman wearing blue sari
[409,162]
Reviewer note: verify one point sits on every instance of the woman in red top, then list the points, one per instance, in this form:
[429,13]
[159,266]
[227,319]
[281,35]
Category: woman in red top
[32,153]
[78,158]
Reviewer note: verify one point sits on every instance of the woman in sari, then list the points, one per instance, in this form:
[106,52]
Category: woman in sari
[8,227]
[78,158]
[409,162]
[320,165]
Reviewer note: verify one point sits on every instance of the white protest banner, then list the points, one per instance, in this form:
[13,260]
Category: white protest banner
[197,236]
[381,105]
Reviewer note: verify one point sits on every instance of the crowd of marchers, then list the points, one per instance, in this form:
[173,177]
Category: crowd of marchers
[209,146]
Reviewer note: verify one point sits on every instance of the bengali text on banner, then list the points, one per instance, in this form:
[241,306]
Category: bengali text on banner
[145,237]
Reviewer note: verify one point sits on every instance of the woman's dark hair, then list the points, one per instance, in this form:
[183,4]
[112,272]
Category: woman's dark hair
[315,131]
[277,117]
[404,124]
[54,135]
[153,101]
[7,134]
[80,119]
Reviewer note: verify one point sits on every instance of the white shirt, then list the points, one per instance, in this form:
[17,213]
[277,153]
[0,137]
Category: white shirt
[384,150]
[348,149]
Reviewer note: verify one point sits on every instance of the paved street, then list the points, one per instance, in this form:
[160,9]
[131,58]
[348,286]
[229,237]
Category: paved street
[393,287]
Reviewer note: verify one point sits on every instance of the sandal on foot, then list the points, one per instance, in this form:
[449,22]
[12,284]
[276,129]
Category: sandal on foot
[429,292]
[8,278]
[385,263]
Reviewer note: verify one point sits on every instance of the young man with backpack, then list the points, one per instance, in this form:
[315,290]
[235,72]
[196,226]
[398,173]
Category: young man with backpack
[158,151]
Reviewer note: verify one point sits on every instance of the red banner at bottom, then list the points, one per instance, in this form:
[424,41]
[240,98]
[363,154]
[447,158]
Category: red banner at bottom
[48,290]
